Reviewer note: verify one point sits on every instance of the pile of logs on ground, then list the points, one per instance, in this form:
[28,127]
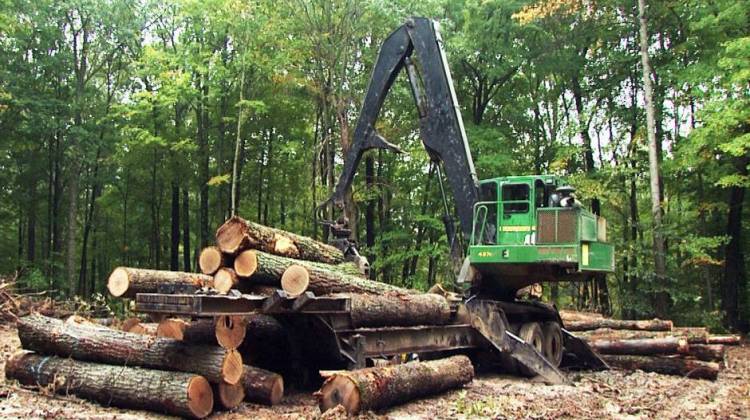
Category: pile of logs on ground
[192,366]
[652,345]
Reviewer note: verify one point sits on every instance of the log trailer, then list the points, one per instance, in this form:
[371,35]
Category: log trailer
[521,230]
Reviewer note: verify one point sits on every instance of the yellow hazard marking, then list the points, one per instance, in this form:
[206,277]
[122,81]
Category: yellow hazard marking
[517,228]
[585,254]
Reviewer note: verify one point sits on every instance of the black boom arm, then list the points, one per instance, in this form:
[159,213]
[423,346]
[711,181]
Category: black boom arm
[440,123]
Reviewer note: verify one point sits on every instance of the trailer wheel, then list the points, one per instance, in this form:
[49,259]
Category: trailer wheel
[553,342]
[531,333]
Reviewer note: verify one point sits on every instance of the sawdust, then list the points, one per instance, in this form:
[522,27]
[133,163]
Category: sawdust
[613,394]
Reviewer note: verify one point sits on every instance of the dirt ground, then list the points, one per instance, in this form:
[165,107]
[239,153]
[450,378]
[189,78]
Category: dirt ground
[611,394]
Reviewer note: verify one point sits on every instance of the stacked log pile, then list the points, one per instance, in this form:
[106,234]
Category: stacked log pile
[191,366]
[652,345]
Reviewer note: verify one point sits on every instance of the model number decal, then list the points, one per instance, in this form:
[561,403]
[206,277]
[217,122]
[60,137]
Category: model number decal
[485,254]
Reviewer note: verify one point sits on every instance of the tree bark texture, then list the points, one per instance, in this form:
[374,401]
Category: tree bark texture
[237,234]
[381,387]
[692,335]
[323,279]
[262,386]
[618,324]
[665,365]
[645,346]
[708,352]
[176,393]
[83,342]
[398,310]
[127,281]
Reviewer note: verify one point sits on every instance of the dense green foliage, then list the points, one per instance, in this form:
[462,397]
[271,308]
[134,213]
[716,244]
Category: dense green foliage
[118,123]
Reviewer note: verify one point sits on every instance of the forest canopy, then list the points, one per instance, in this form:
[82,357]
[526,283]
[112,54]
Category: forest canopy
[119,121]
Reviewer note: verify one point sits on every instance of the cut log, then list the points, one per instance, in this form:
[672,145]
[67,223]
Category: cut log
[398,310]
[176,393]
[665,365]
[52,336]
[144,328]
[295,280]
[201,330]
[238,234]
[381,387]
[692,335]
[264,268]
[228,397]
[211,260]
[230,330]
[727,340]
[708,352]
[126,281]
[619,324]
[225,280]
[262,386]
[645,346]
[570,316]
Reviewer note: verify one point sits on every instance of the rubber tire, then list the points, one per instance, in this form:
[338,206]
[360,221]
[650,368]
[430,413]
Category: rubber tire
[531,332]
[553,342]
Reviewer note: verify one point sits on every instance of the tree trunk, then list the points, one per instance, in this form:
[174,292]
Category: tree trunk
[322,279]
[96,344]
[174,256]
[237,234]
[381,387]
[127,281]
[405,310]
[186,230]
[644,346]
[138,327]
[665,365]
[618,324]
[176,393]
[661,298]
[735,278]
[262,386]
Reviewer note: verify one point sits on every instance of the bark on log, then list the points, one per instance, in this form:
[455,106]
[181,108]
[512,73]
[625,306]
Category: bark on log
[708,352]
[127,281]
[727,340]
[261,290]
[264,268]
[262,386]
[381,387]
[225,280]
[665,365]
[228,397]
[176,393]
[197,331]
[211,260]
[237,234]
[82,342]
[618,324]
[692,335]
[571,316]
[646,346]
[398,310]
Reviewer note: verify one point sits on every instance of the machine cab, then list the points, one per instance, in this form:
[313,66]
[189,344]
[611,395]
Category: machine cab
[507,212]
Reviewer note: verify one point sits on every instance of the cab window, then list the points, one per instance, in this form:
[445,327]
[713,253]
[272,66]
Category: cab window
[515,198]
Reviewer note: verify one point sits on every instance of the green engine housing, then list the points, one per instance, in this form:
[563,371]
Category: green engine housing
[521,237]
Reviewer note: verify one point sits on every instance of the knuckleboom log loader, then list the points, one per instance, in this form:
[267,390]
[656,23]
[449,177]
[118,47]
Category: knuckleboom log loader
[522,230]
